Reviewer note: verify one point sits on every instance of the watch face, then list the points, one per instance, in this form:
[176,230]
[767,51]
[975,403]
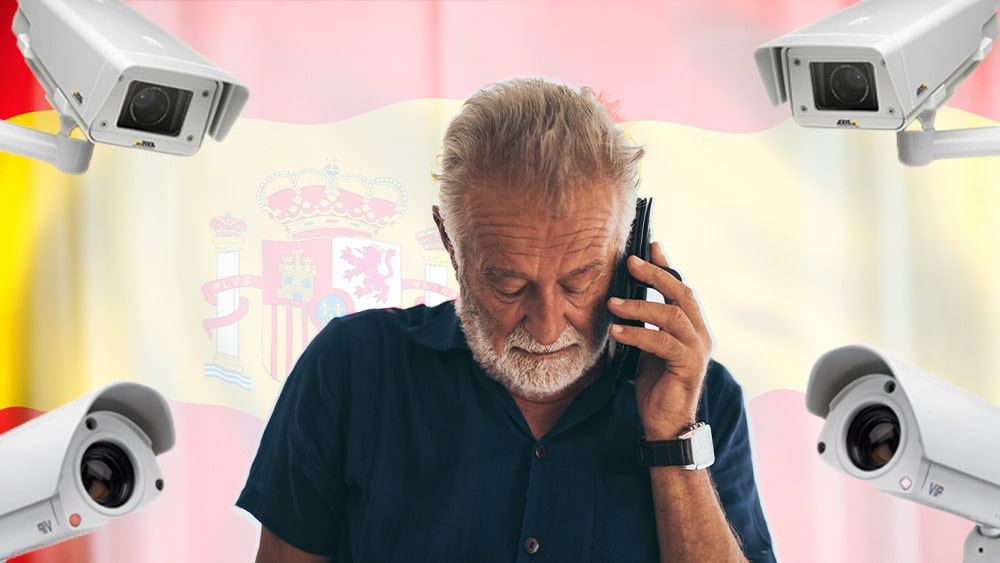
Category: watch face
[702,448]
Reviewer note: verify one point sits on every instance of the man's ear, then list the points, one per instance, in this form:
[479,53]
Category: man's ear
[444,237]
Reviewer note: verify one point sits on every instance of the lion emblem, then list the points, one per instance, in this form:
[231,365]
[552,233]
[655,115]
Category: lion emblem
[367,263]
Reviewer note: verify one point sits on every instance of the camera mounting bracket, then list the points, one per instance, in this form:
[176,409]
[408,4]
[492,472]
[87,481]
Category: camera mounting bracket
[919,147]
[66,153]
[982,545]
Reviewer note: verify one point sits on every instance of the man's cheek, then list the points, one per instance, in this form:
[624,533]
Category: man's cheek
[502,317]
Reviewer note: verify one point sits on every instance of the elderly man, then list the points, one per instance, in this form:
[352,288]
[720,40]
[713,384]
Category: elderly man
[490,428]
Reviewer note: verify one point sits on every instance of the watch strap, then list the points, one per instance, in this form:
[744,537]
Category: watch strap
[694,449]
[664,453]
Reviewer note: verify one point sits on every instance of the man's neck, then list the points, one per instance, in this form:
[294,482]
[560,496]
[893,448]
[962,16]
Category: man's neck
[542,414]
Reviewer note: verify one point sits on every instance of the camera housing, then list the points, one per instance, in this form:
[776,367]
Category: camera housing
[879,63]
[908,433]
[71,470]
[122,79]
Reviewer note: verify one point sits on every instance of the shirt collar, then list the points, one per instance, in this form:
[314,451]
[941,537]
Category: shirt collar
[440,329]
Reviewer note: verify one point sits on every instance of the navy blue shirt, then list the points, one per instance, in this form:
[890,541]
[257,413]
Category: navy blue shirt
[388,442]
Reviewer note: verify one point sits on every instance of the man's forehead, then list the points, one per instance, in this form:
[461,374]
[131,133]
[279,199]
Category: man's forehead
[595,266]
[491,205]
[514,232]
[582,259]
[520,236]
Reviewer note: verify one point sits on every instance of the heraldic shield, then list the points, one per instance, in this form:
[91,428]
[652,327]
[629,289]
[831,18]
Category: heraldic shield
[308,282]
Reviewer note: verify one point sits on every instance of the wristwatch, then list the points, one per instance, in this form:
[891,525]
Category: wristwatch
[693,449]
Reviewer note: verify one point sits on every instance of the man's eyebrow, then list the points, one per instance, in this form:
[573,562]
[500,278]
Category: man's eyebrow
[596,264]
[494,273]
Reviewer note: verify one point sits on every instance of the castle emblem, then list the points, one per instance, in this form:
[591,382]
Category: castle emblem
[298,275]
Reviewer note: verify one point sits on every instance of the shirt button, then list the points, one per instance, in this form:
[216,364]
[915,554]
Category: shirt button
[540,450]
[531,545]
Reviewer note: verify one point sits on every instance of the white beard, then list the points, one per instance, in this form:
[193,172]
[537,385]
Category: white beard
[523,375]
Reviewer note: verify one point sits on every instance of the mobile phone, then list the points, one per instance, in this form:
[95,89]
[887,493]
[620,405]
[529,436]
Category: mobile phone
[624,360]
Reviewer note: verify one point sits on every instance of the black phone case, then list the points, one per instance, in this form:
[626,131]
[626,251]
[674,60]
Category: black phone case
[624,360]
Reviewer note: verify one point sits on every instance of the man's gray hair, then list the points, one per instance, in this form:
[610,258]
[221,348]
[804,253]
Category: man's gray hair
[540,140]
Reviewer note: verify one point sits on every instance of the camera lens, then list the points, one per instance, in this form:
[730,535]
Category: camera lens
[149,106]
[154,108]
[849,85]
[873,437]
[107,474]
[844,86]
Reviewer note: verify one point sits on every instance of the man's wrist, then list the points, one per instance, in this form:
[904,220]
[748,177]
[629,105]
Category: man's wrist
[693,449]
[667,429]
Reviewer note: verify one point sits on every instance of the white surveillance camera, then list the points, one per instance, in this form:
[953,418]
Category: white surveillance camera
[879,63]
[69,471]
[910,435]
[121,79]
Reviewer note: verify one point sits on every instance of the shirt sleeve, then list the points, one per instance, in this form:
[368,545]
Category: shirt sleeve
[723,407]
[295,486]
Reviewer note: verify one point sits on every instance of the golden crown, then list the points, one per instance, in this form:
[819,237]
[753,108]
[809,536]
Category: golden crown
[313,203]
[228,226]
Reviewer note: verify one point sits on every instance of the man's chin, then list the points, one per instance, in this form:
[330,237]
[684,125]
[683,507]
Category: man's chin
[551,379]
[540,394]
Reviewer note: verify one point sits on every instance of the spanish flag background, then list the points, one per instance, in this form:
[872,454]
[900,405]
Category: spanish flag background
[205,276]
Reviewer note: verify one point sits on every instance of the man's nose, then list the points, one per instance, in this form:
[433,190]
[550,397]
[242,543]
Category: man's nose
[546,316]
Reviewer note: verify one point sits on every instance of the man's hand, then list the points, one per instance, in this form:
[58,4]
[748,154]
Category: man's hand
[675,356]
[690,524]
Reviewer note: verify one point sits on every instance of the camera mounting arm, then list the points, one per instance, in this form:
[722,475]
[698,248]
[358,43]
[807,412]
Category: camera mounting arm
[923,146]
[67,154]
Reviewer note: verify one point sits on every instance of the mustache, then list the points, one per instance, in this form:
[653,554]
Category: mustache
[521,338]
